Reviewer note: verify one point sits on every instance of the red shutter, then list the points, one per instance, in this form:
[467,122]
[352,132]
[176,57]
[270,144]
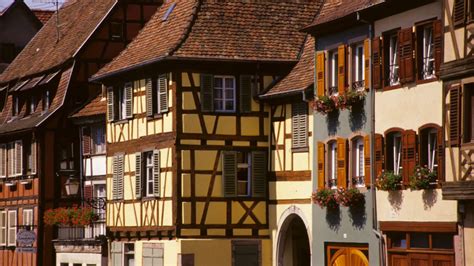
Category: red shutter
[454,115]
[377,63]
[408,154]
[438,44]
[440,154]
[86,140]
[367,160]
[378,154]
[405,55]
[88,194]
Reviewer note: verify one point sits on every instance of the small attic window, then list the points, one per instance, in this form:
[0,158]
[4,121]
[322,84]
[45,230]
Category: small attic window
[116,30]
[168,12]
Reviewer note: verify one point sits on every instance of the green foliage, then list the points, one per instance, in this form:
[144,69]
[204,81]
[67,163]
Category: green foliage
[388,181]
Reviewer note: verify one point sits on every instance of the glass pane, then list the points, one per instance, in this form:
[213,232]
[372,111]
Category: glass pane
[229,94]
[398,240]
[218,93]
[229,83]
[229,105]
[419,240]
[442,241]
[218,82]
[218,105]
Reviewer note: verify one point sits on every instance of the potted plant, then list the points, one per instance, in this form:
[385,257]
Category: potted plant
[323,104]
[422,178]
[327,104]
[388,181]
[350,197]
[325,198]
[70,216]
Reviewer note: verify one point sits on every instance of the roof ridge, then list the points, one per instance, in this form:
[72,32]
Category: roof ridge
[186,32]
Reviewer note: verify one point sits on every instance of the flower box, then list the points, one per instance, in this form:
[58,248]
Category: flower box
[73,216]
[389,181]
[351,197]
[325,198]
[327,104]
[422,178]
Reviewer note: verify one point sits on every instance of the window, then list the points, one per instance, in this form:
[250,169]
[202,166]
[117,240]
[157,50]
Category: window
[244,173]
[12,218]
[468,107]
[299,121]
[28,217]
[129,254]
[3,228]
[116,253]
[147,174]
[332,167]
[120,102]
[152,254]
[425,51]
[12,159]
[116,30]
[358,66]
[358,166]
[46,100]
[428,154]
[16,106]
[157,95]
[394,153]
[333,67]
[98,139]
[224,93]
[30,151]
[246,253]
[66,157]
[392,63]
[100,194]
[32,104]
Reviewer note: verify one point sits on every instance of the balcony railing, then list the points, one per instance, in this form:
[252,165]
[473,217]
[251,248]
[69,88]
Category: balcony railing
[81,232]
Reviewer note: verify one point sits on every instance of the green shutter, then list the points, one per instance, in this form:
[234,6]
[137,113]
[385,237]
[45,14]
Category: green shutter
[138,175]
[207,96]
[149,97]
[156,173]
[110,104]
[128,100]
[162,94]
[259,173]
[229,173]
[245,93]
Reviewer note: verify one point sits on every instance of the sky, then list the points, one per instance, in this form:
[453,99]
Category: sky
[33,4]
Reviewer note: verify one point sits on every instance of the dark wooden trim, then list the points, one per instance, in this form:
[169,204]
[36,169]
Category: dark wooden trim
[302,149]
[393,129]
[141,228]
[439,227]
[138,200]
[289,201]
[291,176]
[460,190]
[225,226]
[429,125]
[163,140]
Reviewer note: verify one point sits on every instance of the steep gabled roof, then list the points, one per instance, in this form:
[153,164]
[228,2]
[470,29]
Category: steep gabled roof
[77,21]
[300,77]
[219,30]
[93,107]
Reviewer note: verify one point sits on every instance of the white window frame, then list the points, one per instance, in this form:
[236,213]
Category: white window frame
[394,74]
[28,217]
[332,167]
[333,65]
[358,53]
[224,98]
[126,252]
[149,174]
[12,229]
[3,157]
[428,53]
[397,152]
[359,160]
[248,165]
[3,227]
[122,103]
[432,139]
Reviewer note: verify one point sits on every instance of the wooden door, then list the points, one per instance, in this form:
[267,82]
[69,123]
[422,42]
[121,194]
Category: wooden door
[349,257]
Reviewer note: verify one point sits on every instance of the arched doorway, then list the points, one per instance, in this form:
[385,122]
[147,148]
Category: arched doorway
[347,256]
[293,248]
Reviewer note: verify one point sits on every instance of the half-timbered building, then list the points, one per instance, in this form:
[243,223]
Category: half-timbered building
[187,141]
[457,73]
[39,143]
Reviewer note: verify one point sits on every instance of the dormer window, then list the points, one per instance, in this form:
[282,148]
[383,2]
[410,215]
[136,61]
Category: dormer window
[116,30]
[32,104]
[16,106]
[46,100]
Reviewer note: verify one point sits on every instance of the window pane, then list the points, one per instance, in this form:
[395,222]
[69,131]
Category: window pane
[218,93]
[442,241]
[218,82]
[229,83]
[229,105]
[398,240]
[419,240]
[229,94]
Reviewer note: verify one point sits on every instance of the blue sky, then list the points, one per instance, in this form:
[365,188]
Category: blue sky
[33,4]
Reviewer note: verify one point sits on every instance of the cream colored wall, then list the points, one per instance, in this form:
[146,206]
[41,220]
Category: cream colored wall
[408,18]
[418,205]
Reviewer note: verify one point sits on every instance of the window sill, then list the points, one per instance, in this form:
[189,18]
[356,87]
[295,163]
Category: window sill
[423,81]
[301,149]
[388,88]
[121,121]
[154,117]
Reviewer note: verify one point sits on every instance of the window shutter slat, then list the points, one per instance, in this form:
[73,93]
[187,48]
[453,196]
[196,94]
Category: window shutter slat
[405,54]
[367,63]
[3,160]
[162,93]
[321,166]
[115,177]
[409,154]
[341,163]
[229,173]
[33,157]
[110,104]
[438,44]
[320,75]
[376,63]
[341,69]
[19,157]
[367,161]
[299,125]
[454,115]
[128,100]
[259,173]
[379,158]
[207,95]
[86,140]
[440,154]
[156,173]
[458,12]
[138,175]
[120,176]
[149,96]
[245,93]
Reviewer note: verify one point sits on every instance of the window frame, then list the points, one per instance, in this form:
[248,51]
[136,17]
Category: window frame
[16,106]
[31,216]
[114,35]
[121,103]
[333,63]
[238,243]
[98,131]
[153,246]
[3,226]
[147,176]
[10,227]
[224,97]
[69,159]
[355,64]
[391,58]
[420,50]
[332,164]
[247,164]
[358,161]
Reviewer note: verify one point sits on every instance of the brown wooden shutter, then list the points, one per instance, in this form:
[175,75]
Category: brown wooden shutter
[88,193]
[320,75]
[379,154]
[229,173]
[341,69]
[3,160]
[259,173]
[367,167]
[19,157]
[376,63]
[440,154]
[207,95]
[245,93]
[110,104]
[138,175]
[156,173]
[162,93]
[149,96]
[438,44]
[321,165]
[86,140]
[128,99]
[454,115]
[409,154]
[341,163]
[459,15]
[367,63]
[405,55]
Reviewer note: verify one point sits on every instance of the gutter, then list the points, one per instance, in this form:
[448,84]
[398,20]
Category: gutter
[281,95]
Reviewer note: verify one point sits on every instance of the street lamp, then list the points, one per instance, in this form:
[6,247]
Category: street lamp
[72,188]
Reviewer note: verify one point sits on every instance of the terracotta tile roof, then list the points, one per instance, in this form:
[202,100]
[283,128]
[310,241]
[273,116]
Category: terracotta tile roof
[77,21]
[233,30]
[96,106]
[300,77]
[43,15]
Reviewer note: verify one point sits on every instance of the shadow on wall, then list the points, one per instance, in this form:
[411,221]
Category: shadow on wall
[333,218]
[430,196]
[357,117]
[332,122]
[396,199]
[358,215]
